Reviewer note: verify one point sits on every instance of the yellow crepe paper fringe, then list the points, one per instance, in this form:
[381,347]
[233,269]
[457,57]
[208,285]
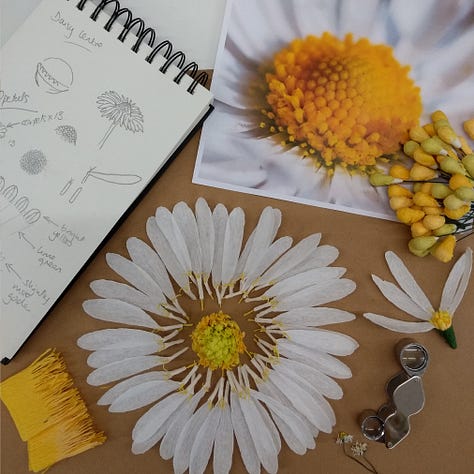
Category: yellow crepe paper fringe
[49,412]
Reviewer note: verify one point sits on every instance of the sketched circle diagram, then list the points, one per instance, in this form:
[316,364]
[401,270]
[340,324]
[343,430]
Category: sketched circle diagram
[54,75]
[33,162]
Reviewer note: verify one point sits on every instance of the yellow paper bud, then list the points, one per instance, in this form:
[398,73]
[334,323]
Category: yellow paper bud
[435,146]
[443,250]
[440,190]
[448,135]
[465,193]
[438,115]
[457,180]
[433,222]
[441,123]
[430,210]
[468,163]
[422,173]
[464,145]
[417,187]
[423,199]
[379,179]
[409,147]
[418,229]
[468,126]
[452,202]
[452,166]
[407,215]
[418,134]
[456,214]
[398,190]
[420,156]
[421,246]
[429,129]
[397,202]
[425,187]
[445,229]
[399,172]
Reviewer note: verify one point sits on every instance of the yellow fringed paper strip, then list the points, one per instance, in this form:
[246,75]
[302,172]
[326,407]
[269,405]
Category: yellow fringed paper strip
[49,412]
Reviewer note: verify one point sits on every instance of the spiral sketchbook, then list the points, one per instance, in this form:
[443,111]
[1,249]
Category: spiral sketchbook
[93,104]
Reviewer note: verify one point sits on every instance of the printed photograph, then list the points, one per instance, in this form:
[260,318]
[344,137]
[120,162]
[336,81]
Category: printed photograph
[325,102]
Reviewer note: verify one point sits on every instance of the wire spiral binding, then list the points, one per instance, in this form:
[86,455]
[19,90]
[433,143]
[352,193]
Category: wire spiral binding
[165,48]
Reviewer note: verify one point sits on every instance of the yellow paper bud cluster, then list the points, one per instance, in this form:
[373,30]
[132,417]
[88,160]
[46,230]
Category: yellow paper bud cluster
[434,196]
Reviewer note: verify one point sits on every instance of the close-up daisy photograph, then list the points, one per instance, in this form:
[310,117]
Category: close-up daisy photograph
[314,97]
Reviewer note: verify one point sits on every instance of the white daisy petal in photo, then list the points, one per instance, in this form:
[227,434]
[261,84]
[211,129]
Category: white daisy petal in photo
[221,339]
[312,96]
[410,298]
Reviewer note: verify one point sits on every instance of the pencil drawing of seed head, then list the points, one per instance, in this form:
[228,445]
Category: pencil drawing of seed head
[3,130]
[121,111]
[10,192]
[54,75]
[68,133]
[33,162]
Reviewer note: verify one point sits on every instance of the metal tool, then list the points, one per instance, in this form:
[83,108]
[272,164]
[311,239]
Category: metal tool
[391,423]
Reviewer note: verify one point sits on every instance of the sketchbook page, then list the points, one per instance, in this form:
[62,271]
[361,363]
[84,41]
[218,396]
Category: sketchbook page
[193,27]
[314,96]
[86,124]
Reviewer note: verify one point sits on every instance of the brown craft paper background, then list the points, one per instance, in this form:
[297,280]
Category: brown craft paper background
[441,439]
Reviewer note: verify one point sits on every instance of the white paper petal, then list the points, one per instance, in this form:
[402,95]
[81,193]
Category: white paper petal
[246,445]
[113,393]
[293,258]
[132,273]
[223,444]
[269,423]
[232,244]
[313,317]
[397,325]
[219,217]
[206,234]
[117,311]
[142,395]
[400,299]
[186,439]
[168,444]
[121,291]
[322,340]
[327,364]
[320,381]
[146,258]
[407,282]
[204,441]
[108,356]
[123,368]
[117,338]
[456,283]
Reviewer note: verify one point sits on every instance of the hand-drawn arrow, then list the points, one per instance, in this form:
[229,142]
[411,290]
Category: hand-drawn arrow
[49,221]
[10,269]
[21,235]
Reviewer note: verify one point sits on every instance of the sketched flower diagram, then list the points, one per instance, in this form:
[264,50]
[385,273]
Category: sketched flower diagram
[198,260]
[311,96]
[121,111]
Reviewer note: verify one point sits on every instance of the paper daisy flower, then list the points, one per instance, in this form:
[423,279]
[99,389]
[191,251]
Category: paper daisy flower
[313,96]
[410,298]
[222,338]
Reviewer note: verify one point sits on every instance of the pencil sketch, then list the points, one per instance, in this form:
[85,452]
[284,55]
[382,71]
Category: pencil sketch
[79,45]
[54,75]
[121,111]
[33,162]
[121,179]
[67,132]
[75,195]
[3,130]
[66,187]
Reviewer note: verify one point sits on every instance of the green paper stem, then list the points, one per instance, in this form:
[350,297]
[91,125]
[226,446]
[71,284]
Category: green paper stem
[450,336]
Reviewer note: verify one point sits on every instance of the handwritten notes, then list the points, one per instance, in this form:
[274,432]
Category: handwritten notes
[76,110]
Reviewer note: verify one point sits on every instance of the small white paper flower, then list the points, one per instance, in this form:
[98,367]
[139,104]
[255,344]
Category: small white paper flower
[409,297]
[197,410]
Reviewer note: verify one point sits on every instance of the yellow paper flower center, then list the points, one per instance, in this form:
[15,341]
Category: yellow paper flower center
[218,341]
[441,320]
[343,101]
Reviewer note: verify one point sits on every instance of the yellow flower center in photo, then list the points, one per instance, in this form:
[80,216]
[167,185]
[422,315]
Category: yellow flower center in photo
[441,320]
[343,102]
[218,341]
